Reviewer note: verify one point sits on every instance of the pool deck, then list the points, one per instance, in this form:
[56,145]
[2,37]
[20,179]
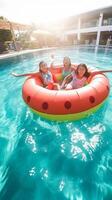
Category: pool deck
[17,53]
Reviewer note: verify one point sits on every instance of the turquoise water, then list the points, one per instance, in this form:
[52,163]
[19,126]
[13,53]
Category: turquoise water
[44,160]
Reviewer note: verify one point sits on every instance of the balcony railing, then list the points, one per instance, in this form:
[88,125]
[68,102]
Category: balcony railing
[107,22]
[89,24]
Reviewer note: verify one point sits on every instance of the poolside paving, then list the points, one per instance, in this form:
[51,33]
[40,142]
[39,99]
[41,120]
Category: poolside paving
[17,53]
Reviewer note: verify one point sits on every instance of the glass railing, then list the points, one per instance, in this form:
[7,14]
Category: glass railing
[89,24]
[107,22]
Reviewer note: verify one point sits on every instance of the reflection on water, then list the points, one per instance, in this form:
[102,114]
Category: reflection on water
[49,160]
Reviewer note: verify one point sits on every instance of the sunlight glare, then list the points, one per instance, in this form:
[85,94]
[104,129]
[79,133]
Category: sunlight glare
[47,10]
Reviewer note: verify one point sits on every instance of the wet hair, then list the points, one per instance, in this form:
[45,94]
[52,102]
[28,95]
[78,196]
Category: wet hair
[67,58]
[42,62]
[86,74]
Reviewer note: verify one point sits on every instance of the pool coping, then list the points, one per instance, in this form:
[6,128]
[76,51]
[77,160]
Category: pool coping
[21,52]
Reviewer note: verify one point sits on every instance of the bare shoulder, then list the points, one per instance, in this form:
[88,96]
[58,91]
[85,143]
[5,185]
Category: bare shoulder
[74,66]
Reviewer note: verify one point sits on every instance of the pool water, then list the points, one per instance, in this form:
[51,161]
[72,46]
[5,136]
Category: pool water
[46,160]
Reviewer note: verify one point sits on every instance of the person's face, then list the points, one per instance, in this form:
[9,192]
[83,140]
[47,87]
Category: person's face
[81,71]
[66,62]
[44,68]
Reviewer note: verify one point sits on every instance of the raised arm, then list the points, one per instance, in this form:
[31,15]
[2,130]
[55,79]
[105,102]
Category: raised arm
[52,60]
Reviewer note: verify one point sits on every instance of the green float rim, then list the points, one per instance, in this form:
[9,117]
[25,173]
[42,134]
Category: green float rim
[68,117]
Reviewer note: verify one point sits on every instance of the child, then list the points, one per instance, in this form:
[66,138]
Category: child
[47,77]
[77,79]
[45,74]
[67,67]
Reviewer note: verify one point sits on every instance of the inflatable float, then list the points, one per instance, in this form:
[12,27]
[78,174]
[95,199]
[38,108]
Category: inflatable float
[62,105]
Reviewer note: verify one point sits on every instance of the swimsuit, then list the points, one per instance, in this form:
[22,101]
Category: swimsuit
[47,78]
[76,82]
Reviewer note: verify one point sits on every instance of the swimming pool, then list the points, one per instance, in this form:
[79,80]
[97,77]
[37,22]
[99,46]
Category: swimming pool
[47,160]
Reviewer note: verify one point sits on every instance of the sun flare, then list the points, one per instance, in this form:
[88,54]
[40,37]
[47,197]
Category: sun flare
[46,10]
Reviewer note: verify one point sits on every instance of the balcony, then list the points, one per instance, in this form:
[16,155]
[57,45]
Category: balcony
[89,24]
[107,22]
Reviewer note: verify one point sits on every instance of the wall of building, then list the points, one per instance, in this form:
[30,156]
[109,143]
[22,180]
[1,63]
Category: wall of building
[94,27]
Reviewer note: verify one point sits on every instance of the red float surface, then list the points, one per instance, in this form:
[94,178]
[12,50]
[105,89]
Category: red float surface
[59,102]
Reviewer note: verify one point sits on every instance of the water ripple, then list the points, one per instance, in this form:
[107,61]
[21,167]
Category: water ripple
[48,160]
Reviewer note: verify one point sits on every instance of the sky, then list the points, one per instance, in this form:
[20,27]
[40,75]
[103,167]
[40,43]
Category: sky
[36,11]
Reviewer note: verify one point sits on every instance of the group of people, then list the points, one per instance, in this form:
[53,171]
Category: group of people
[73,76]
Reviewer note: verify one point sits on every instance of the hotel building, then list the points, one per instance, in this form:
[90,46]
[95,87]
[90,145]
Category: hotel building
[91,28]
